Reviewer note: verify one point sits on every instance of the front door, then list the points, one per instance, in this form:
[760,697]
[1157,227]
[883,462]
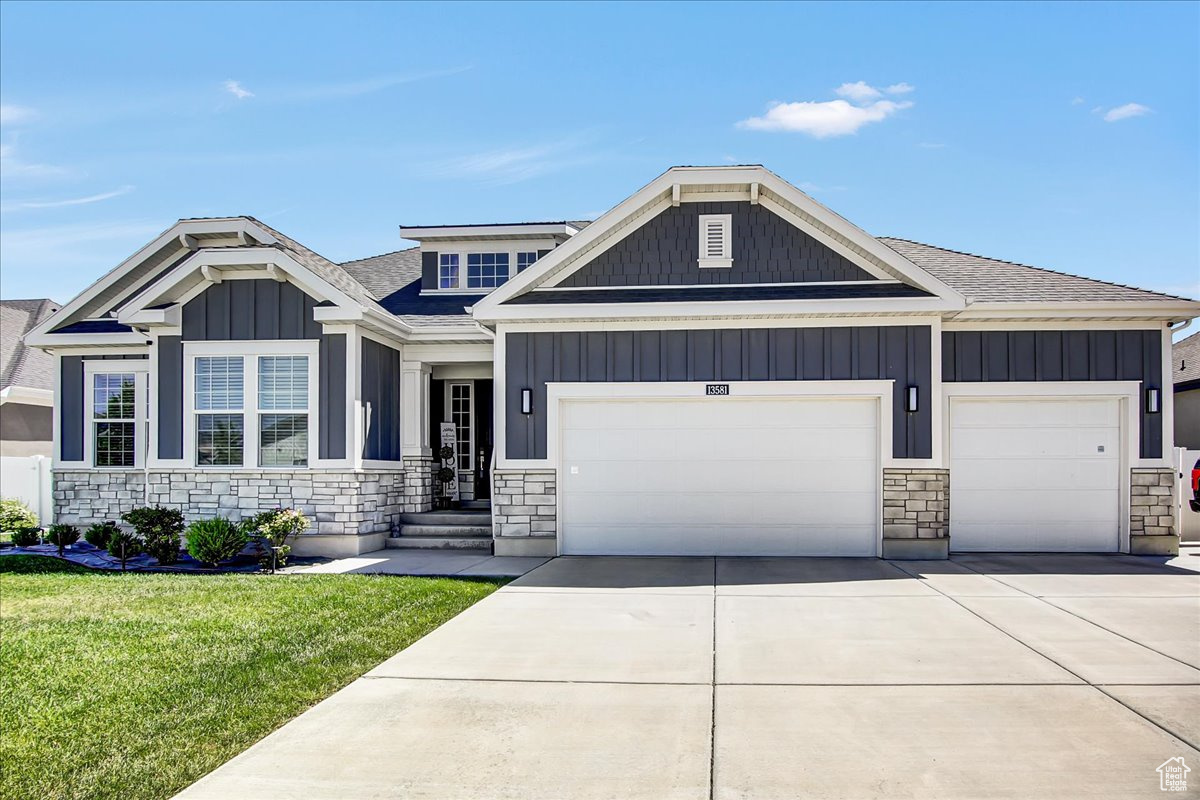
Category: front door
[468,405]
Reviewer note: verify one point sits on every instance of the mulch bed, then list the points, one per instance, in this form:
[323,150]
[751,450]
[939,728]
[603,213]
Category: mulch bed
[92,557]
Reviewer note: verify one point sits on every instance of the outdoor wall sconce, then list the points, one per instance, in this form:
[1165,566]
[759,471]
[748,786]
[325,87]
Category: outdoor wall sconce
[910,403]
[1152,401]
[527,401]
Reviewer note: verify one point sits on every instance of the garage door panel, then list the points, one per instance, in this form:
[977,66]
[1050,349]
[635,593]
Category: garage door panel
[1035,474]
[726,476]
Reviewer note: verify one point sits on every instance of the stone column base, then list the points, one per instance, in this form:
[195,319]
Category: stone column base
[1162,545]
[337,545]
[916,549]
[540,546]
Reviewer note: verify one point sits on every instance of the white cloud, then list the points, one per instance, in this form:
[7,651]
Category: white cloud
[858,92]
[366,85]
[515,164]
[1126,111]
[236,89]
[12,166]
[74,201]
[900,88]
[1076,101]
[15,115]
[822,120]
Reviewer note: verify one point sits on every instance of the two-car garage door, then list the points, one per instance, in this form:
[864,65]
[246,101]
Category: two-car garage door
[720,476]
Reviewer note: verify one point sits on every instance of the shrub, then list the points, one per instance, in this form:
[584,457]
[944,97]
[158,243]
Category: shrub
[26,537]
[159,529]
[123,545]
[211,541]
[273,529]
[99,534]
[16,516]
[62,536]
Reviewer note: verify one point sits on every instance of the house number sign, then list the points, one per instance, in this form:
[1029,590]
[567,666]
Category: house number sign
[716,389]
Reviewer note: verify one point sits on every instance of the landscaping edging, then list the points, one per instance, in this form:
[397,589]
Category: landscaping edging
[85,555]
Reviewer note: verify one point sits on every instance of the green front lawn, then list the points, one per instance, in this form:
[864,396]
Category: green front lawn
[135,685]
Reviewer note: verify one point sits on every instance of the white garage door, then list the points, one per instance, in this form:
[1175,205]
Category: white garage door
[720,476]
[1035,474]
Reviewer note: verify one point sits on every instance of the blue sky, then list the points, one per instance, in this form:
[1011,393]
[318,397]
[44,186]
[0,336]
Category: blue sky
[1062,135]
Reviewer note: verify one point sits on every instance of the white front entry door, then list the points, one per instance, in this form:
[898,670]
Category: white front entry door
[1029,474]
[778,476]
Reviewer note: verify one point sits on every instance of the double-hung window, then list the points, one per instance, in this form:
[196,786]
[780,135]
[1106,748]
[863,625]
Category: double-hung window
[117,413]
[252,409]
[486,270]
[448,270]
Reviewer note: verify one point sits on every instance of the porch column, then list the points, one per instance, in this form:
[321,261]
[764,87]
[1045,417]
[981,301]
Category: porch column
[414,436]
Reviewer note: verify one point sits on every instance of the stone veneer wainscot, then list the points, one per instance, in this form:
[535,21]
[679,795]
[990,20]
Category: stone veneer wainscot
[916,513]
[1152,512]
[525,513]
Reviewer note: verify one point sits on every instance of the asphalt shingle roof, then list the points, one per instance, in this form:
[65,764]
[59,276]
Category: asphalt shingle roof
[21,365]
[387,273]
[991,280]
[1185,358]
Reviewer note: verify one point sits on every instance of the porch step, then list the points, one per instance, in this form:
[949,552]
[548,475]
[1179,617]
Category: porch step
[477,505]
[446,530]
[442,541]
[464,517]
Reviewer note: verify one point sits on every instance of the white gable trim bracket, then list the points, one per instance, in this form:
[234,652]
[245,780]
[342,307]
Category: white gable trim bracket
[757,184]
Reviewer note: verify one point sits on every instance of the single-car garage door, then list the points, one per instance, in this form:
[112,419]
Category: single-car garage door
[1035,474]
[720,476]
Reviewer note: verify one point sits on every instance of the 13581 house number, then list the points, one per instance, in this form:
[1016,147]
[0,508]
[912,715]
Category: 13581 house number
[716,389]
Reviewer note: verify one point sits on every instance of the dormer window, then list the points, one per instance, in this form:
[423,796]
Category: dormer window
[525,260]
[486,270]
[716,247]
[448,271]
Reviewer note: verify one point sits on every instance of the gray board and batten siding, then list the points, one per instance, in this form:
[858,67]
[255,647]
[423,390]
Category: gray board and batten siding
[245,310]
[900,353]
[381,375]
[1002,356]
[765,247]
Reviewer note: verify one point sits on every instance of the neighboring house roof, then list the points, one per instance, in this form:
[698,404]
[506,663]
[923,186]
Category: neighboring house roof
[20,365]
[991,280]
[1185,358]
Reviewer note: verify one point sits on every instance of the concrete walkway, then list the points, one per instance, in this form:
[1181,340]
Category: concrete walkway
[980,677]
[459,563]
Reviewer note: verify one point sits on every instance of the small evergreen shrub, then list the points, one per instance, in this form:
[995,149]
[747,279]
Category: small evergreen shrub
[99,534]
[159,528]
[16,516]
[211,541]
[27,537]
[62,536]
[273,529]
[123,545]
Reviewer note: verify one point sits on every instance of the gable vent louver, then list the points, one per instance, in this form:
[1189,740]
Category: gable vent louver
[716,249]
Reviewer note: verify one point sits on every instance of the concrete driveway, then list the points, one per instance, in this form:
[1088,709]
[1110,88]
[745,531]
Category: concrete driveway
[984,676]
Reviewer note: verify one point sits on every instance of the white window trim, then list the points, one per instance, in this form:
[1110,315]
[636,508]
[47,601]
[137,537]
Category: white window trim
[140,368]
[250,351]
[508,249]
[725,260]
[458,272]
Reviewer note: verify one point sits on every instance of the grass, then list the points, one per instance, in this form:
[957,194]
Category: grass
[134,685]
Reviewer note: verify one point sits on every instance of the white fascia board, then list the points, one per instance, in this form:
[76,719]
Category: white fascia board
[1158,309]
[171,317]
[27,395]
[235,226]
[716,308]
[471,232]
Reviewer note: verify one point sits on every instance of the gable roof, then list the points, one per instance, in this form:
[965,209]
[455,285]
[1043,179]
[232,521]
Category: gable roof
[992,280]
[21,365]
[1185,359]
[387,273]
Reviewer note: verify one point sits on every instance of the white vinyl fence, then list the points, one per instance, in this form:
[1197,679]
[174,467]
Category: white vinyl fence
[28,479]
[1189,521]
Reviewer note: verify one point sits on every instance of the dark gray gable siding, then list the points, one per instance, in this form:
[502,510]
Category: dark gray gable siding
[429,270]
[71,422]
[900,353]
[381,401]
[766,249]
[241,310]
[980,356]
